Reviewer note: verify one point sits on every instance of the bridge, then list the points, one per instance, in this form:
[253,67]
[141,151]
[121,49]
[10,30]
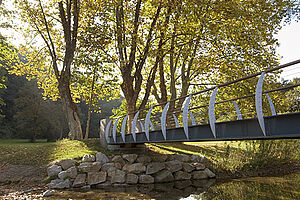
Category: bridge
[169,129]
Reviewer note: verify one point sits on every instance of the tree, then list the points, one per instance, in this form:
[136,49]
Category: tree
[57,26]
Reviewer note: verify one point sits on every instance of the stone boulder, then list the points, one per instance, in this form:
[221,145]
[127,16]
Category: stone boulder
[196,158]
[90,167]
[130,157]
[180,175]
[154,167]
[118,159]
[54,170]
[144,159]
[188,167]
[146,179]
[209,173]
[67,163]
[135,168]
[159,158]
[199,166]
[163,176]
[88,158]
[60,184]
[118,176]
[106,166]
[199,175]
[174,165]
[102,158]
[182,158]
[80,180]
[132,179]
[96,177]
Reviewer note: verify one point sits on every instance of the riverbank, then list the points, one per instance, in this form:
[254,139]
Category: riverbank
[22,165]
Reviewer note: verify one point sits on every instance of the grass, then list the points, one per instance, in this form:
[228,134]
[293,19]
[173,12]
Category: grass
[41,153]
[227,157]
[239,156]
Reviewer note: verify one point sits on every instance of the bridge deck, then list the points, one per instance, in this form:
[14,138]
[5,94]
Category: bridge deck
[279,126]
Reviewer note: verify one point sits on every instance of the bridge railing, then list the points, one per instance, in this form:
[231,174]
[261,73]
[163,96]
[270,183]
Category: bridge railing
[145,123]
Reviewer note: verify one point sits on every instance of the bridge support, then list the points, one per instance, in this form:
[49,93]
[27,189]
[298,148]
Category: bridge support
[128,148]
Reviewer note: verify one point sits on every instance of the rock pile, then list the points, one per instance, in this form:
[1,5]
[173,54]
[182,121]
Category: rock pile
[100,171]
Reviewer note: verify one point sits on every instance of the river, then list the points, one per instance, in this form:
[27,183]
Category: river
[284,187]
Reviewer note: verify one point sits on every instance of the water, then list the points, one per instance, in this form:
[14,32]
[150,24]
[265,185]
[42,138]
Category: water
[286,187]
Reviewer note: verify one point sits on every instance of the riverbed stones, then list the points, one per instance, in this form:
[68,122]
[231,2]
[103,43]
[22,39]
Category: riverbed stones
[54,170]
[96,177]
[160,158]
[163,176]
[154,167]
[199,175]
[146,179]
[88,158]
[67,163]
[102,158]
[118,176]
[130,157]
[79,181]
[132,179]
[182,158]
[174,165]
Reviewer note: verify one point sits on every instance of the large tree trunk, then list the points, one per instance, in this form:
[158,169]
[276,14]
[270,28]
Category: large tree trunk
[71,112]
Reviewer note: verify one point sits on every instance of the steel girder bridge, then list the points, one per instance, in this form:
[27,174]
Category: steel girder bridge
[275,126]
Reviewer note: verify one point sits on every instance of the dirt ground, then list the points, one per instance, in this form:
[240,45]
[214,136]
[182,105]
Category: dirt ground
[19,179]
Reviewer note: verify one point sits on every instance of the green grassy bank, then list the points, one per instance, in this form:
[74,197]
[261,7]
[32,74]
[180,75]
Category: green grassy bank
[247,158]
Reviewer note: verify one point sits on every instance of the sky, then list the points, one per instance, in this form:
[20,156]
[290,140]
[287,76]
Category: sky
[289,49]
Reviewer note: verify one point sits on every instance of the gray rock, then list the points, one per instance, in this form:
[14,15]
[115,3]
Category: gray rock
[209,173]
[67,163]
[72,172]
[135,168]
[188,167]
[144,159]
[59,184]
[118,176]
[196,158]
[110,171]
[96,177]
[199,175]
[54,170]
[88,158]
[48,193]
[90,167]
[118,165]
[106,166]
[130,157]
[163,176]
[180,175]
[132,179]
[80,180]
[154,167]
[199,166]
[160,158]
[118,159]
[102,158]
[174,165]
[62,175]
[103,185]
[182,158]
[146,179]
[86,187]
